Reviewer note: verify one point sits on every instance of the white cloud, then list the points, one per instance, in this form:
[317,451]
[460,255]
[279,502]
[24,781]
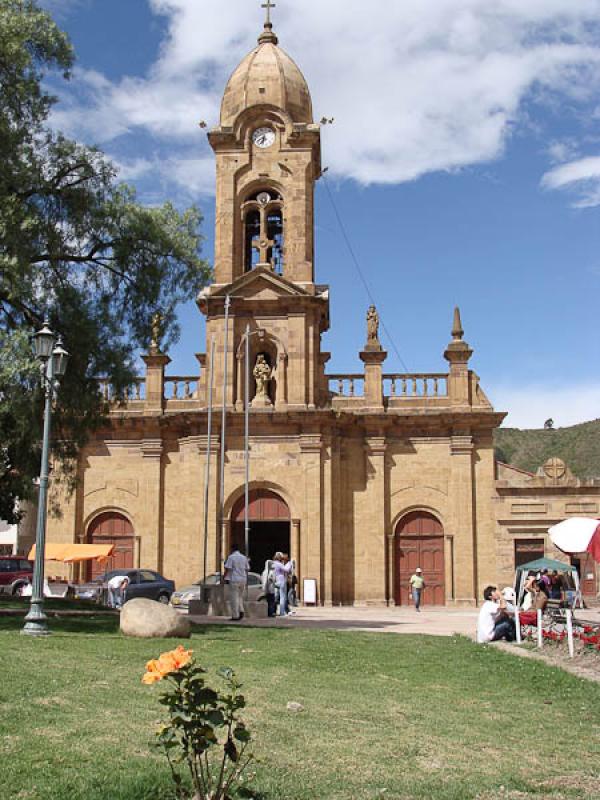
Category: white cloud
[411,92]
[581,176]
[530,406]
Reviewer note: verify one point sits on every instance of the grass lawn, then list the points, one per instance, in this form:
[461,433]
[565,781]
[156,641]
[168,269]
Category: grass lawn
[386,716]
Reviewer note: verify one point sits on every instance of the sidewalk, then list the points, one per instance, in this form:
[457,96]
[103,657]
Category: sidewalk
[435,621]
[431,621]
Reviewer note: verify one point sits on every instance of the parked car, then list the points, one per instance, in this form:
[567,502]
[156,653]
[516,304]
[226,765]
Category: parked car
[181,599]
[142,583]
[15,574]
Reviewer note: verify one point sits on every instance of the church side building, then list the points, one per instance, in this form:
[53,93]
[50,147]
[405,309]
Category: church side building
[360,477]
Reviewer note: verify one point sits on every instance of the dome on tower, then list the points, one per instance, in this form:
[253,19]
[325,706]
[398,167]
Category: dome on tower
[267,76]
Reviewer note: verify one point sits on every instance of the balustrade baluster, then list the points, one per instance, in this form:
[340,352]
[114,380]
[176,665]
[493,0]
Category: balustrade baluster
[351,387]
[341,388]
[186,390]
[436,389]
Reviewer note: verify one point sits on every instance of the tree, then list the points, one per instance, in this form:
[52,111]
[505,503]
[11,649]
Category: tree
[76,247]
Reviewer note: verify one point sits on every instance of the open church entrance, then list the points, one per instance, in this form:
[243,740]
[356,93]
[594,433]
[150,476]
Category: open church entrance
[269,518]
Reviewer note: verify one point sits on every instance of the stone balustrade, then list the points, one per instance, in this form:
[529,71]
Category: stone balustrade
[346,385]
[433,384]
[134,393]
[181,388]
[176,388]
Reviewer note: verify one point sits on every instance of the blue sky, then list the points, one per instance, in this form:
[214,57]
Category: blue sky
[464,162]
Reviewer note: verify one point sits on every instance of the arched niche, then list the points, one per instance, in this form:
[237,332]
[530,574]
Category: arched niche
[262,342]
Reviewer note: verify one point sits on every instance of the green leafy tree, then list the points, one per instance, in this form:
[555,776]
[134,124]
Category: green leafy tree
[75,247]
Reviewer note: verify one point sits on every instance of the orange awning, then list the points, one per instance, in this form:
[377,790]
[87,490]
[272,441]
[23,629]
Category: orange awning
[69,553]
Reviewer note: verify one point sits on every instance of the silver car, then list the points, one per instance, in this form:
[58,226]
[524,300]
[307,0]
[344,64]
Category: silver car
[181,599]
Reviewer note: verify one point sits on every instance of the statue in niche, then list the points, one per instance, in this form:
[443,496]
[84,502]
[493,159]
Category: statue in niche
[372,325]
[262,375]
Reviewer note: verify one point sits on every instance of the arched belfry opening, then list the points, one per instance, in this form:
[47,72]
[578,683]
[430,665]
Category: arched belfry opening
[263,230]
[269,518]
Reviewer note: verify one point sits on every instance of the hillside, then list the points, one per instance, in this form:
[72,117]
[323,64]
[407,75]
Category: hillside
[578,446]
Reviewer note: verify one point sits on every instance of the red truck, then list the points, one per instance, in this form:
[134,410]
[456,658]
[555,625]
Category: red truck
[15,573]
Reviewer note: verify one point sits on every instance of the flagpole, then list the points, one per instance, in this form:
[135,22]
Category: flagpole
[247,442]
[223,426]
[208,455]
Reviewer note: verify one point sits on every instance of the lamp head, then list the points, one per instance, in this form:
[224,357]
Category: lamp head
[43,342]
[60,358]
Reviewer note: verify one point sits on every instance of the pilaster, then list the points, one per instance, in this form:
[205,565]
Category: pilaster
[152,541]
[370,557]
[311,545]
[463,518]
[373,360]
[155,381]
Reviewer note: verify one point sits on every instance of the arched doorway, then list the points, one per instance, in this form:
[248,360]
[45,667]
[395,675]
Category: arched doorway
[269,518]
[420,543]
[112,528]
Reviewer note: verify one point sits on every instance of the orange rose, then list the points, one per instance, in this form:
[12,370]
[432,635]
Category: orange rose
[166,663]
[153,672]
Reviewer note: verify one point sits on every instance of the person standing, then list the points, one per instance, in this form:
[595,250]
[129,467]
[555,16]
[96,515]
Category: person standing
[236,575]
[417,584]
[268,585]
[282,570]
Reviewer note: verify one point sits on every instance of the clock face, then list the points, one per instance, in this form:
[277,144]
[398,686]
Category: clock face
[263,137]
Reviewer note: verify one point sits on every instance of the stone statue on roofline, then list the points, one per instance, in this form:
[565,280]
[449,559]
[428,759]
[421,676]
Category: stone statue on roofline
[373,342]
[262,375]
[157,326]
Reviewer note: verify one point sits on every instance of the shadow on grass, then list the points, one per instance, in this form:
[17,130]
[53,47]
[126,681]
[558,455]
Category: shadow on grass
[102,624]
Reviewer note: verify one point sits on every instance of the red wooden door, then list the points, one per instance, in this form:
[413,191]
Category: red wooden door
[420,543]
[112,528]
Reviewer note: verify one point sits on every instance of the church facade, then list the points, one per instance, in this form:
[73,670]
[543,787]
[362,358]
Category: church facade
[360,477]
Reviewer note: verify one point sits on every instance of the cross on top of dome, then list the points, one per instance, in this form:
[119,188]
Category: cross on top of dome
[267,35]
[268,6]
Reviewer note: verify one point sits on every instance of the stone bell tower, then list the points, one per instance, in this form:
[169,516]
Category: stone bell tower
[268,157]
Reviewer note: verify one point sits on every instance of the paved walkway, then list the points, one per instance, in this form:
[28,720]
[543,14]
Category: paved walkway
[434,621]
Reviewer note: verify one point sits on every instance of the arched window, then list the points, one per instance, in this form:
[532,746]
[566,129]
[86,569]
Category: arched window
[262,216]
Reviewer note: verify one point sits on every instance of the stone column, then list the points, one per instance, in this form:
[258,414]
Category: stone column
[330,483]
[391,569]
[373,360]
[155,381]
[463,519]
[371,552]
[224,544]
[239,386]
[296,552]
[152,522]
[214,531]
[310,448]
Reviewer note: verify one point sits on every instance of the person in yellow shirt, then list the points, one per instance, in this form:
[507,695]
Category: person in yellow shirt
[417,584]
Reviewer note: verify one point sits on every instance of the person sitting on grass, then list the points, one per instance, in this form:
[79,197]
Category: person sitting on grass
[494,621]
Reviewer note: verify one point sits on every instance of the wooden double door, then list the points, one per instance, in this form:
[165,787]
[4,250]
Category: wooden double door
[112,528]
[420,543]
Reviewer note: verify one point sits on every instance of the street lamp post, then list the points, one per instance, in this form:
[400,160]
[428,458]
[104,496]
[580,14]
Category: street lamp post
[53,364]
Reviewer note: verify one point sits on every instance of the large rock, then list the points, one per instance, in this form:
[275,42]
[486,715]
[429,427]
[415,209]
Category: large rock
[150,620]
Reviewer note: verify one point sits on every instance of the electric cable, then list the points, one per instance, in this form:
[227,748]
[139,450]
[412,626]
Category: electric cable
[360,272]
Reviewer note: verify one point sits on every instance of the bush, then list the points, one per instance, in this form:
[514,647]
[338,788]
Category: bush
[203,731]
